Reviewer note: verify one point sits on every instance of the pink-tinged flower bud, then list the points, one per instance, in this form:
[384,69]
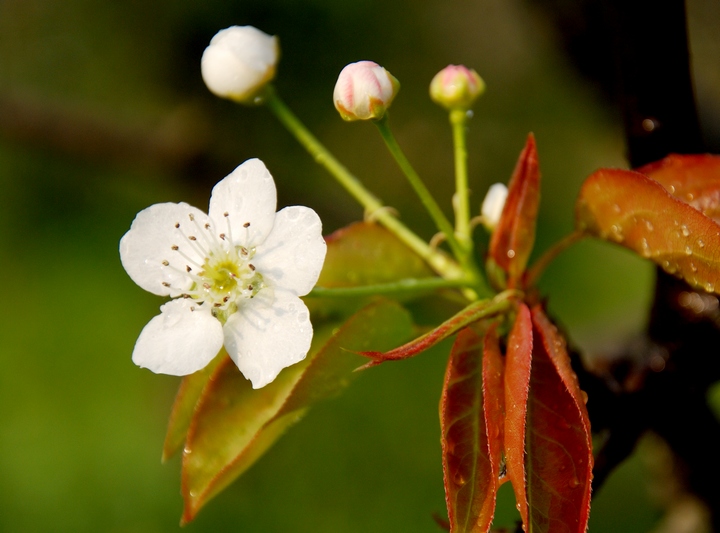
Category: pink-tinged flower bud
[364,90]
[456,87]
[239,62]
[492,206]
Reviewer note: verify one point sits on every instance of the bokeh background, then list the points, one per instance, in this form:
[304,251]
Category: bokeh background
[103,112]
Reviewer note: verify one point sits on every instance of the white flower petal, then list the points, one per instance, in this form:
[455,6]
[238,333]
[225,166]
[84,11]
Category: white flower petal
[292,256]
[247,194]
[267,335]
[179,341]
[149,243]
[239,61]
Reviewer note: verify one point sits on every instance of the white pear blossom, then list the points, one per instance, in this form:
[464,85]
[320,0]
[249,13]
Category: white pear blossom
[236,275]
[239,61]
[493,204]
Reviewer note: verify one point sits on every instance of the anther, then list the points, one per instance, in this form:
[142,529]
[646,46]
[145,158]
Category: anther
[175,247]
[246,225]
[226,299]
[207,226]
[222,236]
[226,214]
[192,308]
[250,287]
[177,225]
[243,250]
[217,304]
[165,284]
[187,267]
[166,263]
[192,217]
[192,238]
[206,285]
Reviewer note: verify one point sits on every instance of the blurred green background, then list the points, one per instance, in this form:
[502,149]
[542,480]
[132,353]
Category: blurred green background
[103,112]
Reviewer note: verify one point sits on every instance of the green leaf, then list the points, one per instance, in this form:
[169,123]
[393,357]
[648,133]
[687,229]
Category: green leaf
[363,254]
[233,424]
[470,472]
[517,385]
[474,312]
[637,212]
[559,446]
[513,238]
[693,179]
[191,388]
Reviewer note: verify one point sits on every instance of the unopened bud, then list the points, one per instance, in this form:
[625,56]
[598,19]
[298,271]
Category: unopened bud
[456,87]
[239,62]
[492,206]
[364,90]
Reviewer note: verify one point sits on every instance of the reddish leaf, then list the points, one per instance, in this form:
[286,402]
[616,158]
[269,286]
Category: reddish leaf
[472,313]
[493,368]
[517,384]
[469,473]
[635,211]
[693,179]
[191,388]
[233,424]
[559,446]
[514,236]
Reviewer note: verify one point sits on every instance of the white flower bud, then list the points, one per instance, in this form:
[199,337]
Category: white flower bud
[492,206]
[239,61]
[364,90]
[456,87]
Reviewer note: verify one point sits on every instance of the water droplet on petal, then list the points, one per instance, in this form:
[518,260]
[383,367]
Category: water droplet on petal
[574,482]
[709,287]
[688,250]
[511,254]
[685,230]
[700,243]
[616,208]
[649,225]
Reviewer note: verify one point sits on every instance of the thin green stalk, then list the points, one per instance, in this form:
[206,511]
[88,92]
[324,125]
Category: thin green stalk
[461,203]
[422,191]
[403,286]
[439,261]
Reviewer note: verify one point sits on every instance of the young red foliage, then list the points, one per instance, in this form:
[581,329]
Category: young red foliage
[514,236]
[693,179]
[470,471]
[559,457]
[637,212]
[517,385]
[493,370]
[472,313]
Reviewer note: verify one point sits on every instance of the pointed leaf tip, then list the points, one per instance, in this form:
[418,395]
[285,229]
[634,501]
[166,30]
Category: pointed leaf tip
[513,238]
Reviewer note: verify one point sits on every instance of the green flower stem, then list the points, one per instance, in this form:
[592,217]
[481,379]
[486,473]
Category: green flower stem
[423,193]
[458,120]
[437,260]
[403,286]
